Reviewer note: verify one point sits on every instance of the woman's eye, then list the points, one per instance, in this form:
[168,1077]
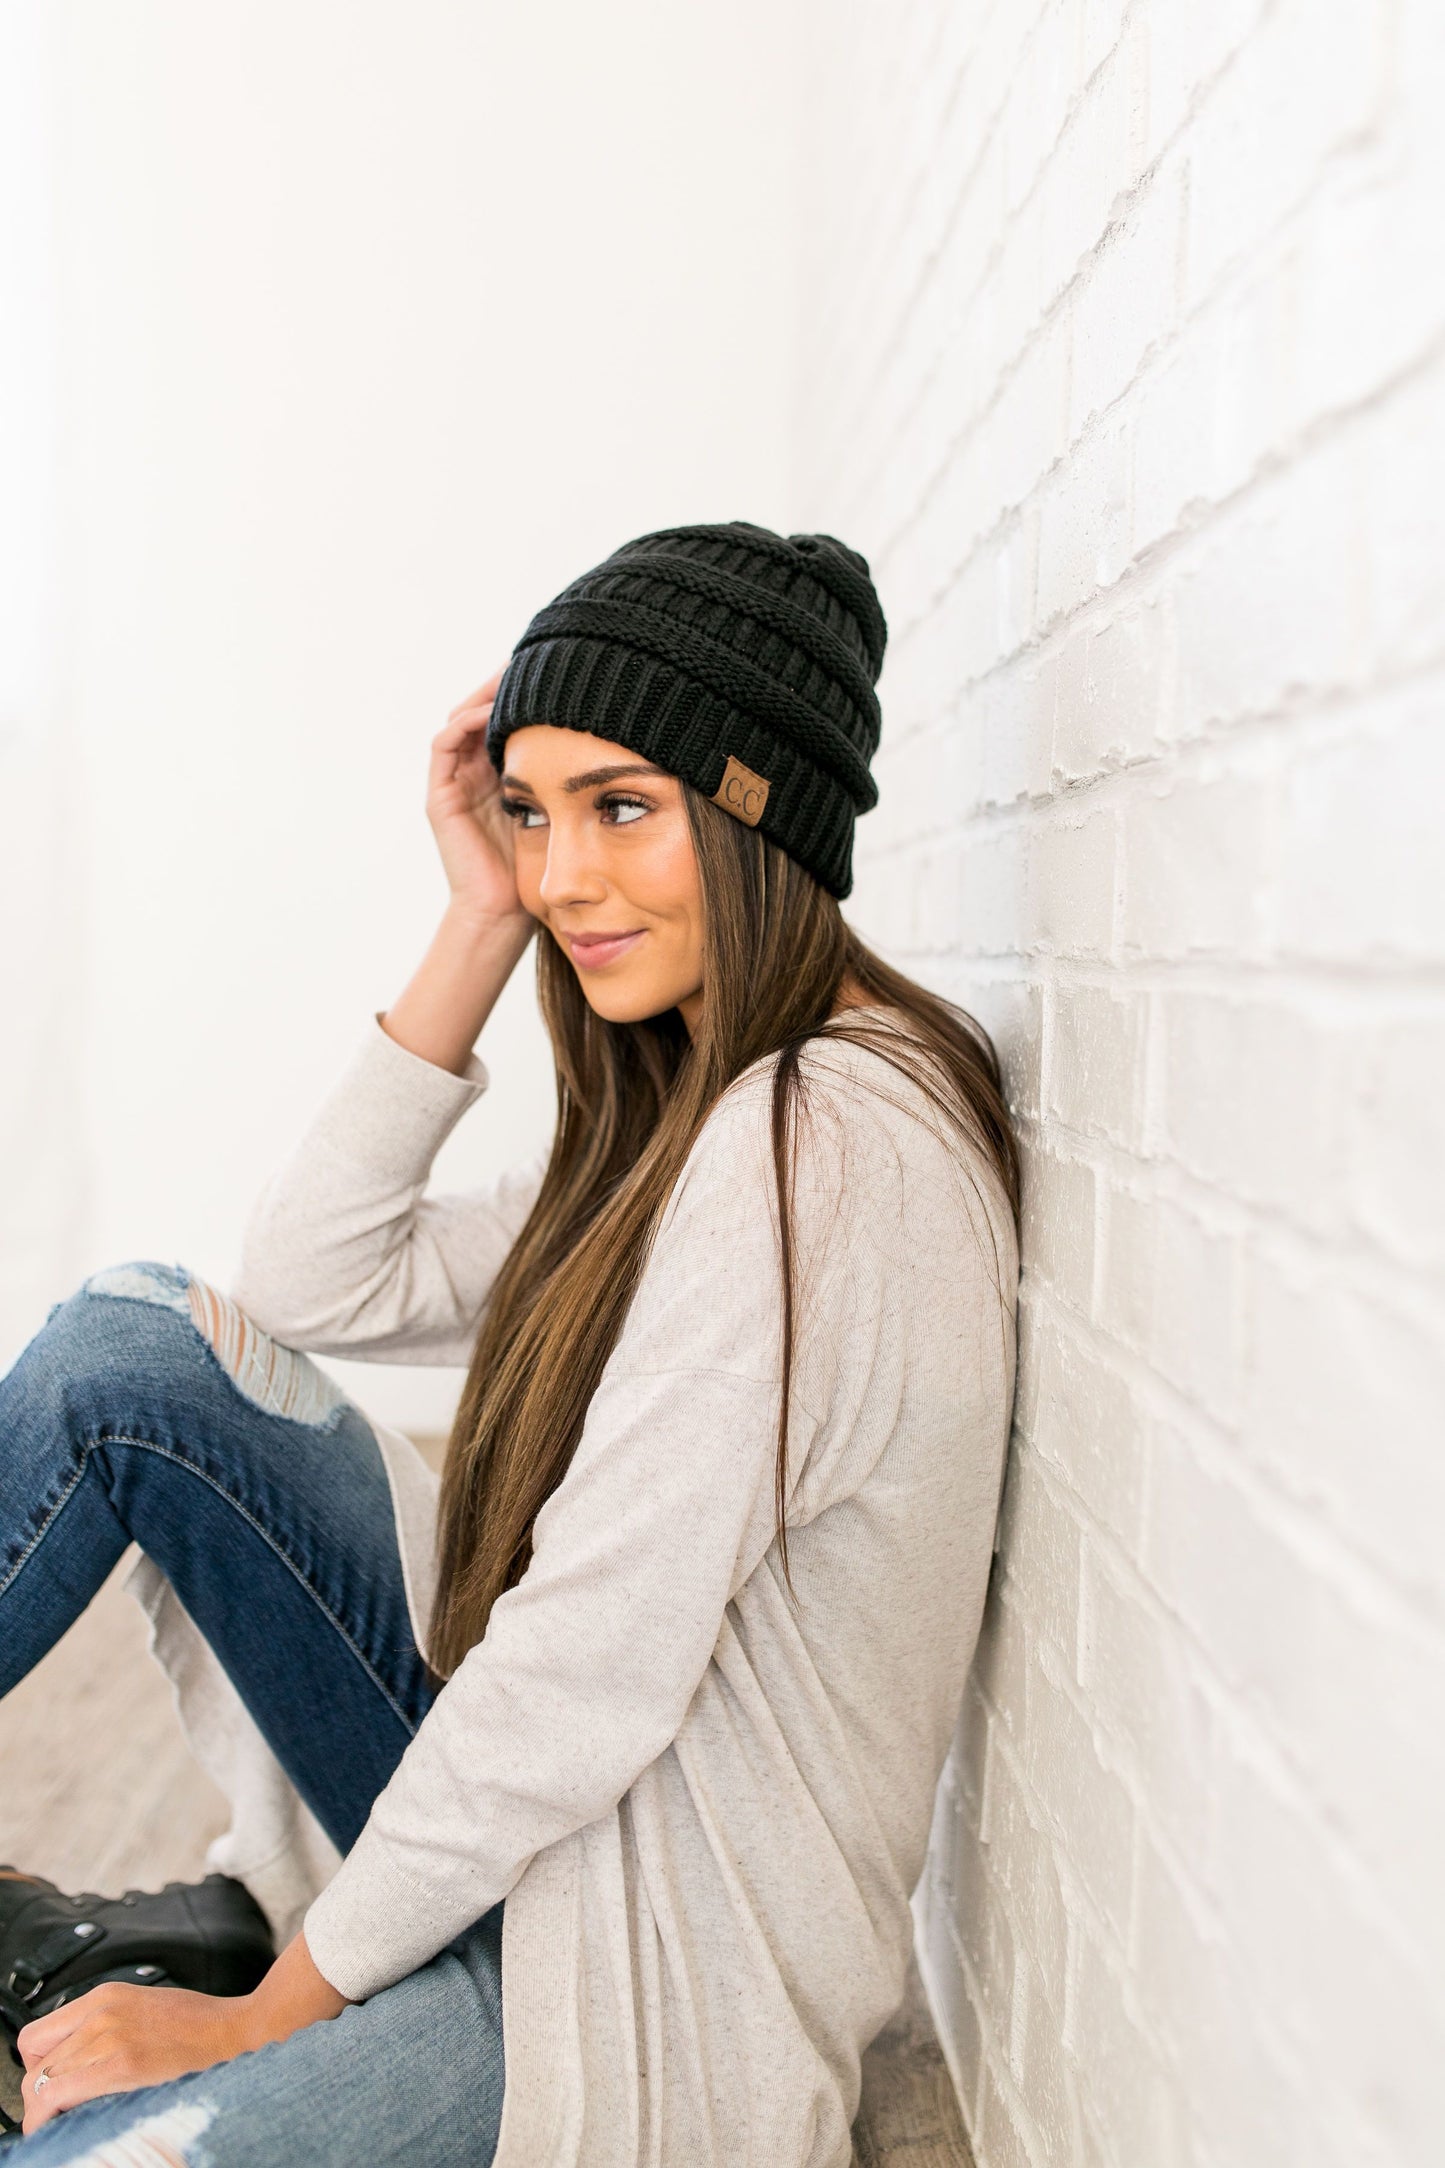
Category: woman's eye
[626,809]
[517,809]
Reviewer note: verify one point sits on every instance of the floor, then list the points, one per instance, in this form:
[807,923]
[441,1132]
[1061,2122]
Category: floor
[908,2116]
[98,1791]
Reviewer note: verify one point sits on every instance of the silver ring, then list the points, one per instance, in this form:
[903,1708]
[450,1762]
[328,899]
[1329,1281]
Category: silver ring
[44,2077]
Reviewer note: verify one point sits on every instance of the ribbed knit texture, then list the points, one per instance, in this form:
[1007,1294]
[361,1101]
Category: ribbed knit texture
[694,644]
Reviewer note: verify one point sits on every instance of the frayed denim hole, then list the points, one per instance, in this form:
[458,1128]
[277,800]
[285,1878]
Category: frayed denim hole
[165,1286]
[166,2140]
[277,1379]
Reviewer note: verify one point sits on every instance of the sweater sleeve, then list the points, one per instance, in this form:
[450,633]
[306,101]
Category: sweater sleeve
[588,1665]
[344,1254]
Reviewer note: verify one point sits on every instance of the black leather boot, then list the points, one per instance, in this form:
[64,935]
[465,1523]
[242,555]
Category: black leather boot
[209,1935]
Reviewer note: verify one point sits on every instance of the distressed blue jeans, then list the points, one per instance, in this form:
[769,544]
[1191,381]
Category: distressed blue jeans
[149,1409]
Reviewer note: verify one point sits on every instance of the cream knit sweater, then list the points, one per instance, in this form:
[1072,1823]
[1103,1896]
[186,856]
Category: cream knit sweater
[705,1805]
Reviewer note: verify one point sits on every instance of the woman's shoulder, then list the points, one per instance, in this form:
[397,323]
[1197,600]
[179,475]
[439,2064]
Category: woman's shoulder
[869,1133]
[868,1067]
[887,1202]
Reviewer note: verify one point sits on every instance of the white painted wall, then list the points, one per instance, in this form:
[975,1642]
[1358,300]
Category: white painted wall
[376,326]
[1125,365]
[42,1152]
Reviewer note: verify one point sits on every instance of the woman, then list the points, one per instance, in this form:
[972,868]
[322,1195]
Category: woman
[627,1742]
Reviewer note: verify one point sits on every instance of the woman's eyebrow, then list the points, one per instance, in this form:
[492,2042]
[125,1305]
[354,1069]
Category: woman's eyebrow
[605,775]
[592,777]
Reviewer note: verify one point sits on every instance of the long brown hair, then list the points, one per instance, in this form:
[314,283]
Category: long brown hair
[631,1099]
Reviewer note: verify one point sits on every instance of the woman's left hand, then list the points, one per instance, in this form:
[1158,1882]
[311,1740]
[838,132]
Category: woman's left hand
[117,2037]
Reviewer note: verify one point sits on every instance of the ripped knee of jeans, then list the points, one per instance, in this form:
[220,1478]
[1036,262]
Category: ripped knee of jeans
[156,2141]
[166,1285]
[274,1378]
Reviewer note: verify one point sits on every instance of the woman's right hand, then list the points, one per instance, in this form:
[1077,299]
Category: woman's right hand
[463,805]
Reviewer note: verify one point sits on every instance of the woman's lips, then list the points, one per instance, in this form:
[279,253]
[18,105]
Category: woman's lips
[590,951]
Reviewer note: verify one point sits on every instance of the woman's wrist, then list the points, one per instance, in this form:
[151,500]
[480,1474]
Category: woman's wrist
[483,929]
[293,1994]
[440,1013]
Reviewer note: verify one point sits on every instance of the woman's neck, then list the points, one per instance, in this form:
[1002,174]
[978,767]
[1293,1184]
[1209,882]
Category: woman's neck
[850,996]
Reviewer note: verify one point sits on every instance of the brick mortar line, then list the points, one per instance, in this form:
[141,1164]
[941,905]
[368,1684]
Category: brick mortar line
[1397,978]
[1328,701]
[833,337]
[832,326]
[1342,1572]
[850,427]
[1408,994]
[1301,1253]
[1262,1753]
[1405,991]
[1314,722]
[1353,1568]
[1281,2050]
[1197,518]
[1237,267]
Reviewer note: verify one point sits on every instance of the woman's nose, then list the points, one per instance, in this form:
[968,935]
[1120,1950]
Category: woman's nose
[571,873]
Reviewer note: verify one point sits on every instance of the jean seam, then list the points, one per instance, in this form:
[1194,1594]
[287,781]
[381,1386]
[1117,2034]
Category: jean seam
[150,1445]
[46,1525]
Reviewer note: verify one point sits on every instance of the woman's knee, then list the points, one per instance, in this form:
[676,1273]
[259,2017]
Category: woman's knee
[269,1375]
[95,1358]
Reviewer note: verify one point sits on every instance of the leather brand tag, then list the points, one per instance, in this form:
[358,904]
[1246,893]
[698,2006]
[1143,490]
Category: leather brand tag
[741,792]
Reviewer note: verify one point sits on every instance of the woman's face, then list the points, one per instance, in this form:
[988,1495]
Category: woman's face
[604,858]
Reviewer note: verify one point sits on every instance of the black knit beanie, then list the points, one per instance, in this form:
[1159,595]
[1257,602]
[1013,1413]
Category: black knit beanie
[741,660]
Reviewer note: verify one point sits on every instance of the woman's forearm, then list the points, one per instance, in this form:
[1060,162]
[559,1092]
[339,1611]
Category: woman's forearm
[440,1014]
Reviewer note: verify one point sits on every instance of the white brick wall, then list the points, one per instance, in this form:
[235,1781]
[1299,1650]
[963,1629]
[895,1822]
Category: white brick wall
[1124,362]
